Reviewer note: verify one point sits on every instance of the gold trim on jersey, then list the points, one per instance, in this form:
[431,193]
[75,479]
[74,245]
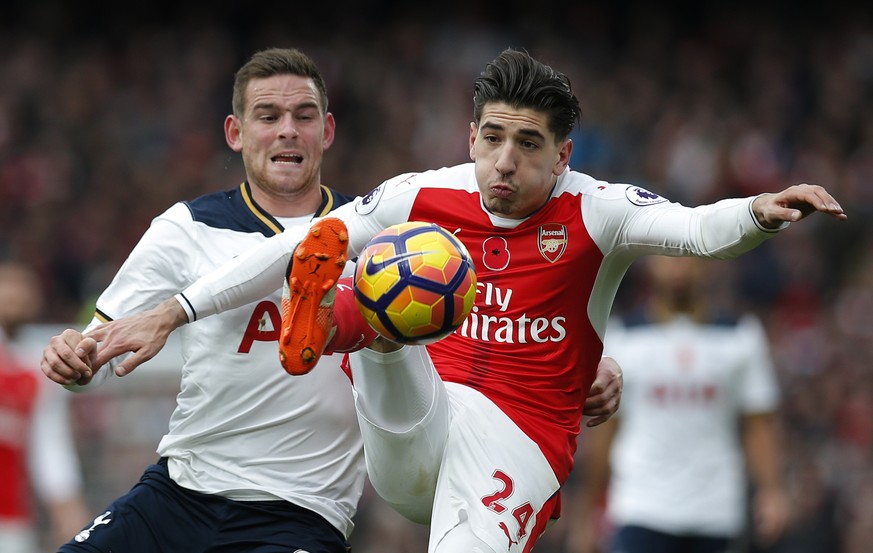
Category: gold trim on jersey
[327,203]
[101,316]
[258,212]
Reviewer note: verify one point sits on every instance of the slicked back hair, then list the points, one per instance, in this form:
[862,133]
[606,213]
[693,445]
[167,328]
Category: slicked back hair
[517,79]
[276,61]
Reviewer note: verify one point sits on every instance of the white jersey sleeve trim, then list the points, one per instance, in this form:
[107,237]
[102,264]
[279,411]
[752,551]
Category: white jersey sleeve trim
[784,225]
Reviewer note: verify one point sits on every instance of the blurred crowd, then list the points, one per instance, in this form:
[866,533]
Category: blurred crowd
[105,123]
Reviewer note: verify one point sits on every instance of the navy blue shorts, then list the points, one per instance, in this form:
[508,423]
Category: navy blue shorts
[159,515]
[636,539]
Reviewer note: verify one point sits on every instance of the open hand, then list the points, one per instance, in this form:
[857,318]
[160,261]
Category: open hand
[793,204]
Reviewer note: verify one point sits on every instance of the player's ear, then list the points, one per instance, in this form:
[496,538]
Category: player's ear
[329,130]
[473,130]
[564,152]
[233,132]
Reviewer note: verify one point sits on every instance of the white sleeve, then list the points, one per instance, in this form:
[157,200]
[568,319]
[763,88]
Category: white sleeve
[613,337]
[249,277]
[722,230]
[758,386]
[157,267]
[260,272]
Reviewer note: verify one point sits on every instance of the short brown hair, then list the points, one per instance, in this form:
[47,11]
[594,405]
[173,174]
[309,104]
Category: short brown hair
[276,61]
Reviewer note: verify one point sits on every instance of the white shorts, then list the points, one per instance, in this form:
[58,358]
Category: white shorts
[444,453]
[492,474]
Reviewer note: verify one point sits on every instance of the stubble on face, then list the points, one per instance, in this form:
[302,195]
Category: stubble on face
[517,159]
[283,134]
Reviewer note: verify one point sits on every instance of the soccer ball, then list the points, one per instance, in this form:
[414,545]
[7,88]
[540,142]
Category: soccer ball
[415,283]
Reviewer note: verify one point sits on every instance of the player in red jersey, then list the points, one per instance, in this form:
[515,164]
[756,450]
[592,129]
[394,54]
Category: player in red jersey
[39,467]
[476,433]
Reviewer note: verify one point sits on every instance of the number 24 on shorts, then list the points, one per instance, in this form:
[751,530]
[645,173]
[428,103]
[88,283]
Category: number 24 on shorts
[494,501]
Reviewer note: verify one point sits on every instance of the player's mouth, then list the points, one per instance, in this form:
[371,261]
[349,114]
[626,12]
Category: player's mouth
[500,190]
[290,159]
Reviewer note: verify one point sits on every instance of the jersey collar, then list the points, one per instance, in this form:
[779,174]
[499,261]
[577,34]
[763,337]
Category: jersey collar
[327,204]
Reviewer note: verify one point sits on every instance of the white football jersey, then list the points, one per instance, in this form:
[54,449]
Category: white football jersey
[677,459]
[243,428]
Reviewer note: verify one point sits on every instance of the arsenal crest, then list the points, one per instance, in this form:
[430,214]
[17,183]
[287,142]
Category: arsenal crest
[552,241]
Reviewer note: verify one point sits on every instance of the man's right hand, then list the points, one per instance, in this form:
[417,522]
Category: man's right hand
[70,358]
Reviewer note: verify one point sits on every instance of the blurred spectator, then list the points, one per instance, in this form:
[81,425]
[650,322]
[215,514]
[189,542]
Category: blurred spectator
[696,425]
[38,462]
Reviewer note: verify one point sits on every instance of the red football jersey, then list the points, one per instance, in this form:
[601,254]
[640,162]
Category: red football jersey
[528,344]
[546,283]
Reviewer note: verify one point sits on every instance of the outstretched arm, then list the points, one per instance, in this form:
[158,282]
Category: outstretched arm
[793,204]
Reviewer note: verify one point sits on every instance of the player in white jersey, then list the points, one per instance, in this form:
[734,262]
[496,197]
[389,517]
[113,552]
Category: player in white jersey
[697,410]
[488,417]
[252,460]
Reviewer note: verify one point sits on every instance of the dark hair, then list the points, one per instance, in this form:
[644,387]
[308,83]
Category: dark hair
[276,61]
[514,77]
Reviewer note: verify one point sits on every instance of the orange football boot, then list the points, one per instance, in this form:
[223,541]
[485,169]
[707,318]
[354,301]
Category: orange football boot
[308,295]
